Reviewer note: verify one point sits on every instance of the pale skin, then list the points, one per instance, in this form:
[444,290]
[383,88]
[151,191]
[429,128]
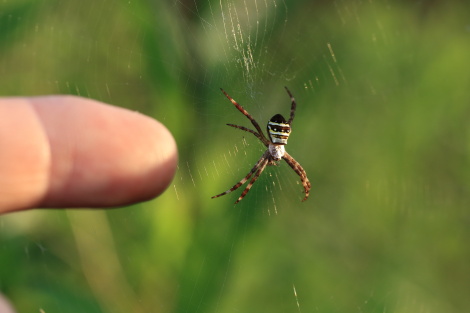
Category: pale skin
[67,151]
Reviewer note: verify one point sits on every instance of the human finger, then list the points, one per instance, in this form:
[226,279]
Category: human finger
[66,151]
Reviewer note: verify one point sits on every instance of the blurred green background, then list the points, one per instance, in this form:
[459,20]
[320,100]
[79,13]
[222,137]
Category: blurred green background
[382,129]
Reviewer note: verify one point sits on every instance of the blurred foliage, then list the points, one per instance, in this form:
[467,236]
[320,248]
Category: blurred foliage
[382,129]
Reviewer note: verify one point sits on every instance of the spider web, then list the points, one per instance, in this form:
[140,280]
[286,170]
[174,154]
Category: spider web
[240,33]
[360,243]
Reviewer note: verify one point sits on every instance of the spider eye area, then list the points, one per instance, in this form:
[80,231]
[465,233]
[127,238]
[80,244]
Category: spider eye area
[278,130]
[278,118]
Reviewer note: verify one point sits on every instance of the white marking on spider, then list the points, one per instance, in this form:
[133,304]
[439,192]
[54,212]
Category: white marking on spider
[277,151]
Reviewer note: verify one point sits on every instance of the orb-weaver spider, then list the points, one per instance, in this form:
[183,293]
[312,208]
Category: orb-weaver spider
[278,131]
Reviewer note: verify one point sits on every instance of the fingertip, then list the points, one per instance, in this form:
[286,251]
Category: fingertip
[163,159]
[119,157]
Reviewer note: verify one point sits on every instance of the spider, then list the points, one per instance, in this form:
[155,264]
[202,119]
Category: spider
[278,131]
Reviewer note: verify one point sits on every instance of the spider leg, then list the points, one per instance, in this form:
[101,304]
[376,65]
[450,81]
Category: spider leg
[300,171]
[266,143]
[263,158]
[245,112]
[253,180]
[293,106]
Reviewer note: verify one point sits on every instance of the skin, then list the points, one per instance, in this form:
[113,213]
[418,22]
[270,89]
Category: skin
[67,151]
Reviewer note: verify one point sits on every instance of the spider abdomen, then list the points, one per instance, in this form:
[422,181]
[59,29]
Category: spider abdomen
[278,130]
[277,151]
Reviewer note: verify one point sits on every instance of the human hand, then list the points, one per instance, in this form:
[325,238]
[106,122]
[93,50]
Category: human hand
[67,151]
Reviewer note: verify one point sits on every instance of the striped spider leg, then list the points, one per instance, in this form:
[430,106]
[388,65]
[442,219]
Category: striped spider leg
[278,131]
[258,134]
[300,171]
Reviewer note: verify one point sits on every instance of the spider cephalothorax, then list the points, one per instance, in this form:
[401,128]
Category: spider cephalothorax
[278,130]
